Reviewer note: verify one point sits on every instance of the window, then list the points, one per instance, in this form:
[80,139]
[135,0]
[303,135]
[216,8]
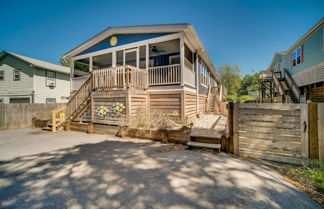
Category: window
[1,100]
[1,75]
[50,100]
[204,75]
[297,56]
[50,78]
[16,75]
[19,100]
[188,57]
[175,59]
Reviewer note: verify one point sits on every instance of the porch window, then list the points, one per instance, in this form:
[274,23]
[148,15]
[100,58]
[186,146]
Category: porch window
[16,75]
[82,65]
[50,79]
[142,57]
[120,58]
[188,57]
[1,75]
[164,53]
[102,61]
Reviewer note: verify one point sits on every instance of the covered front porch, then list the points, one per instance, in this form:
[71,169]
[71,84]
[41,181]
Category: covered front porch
[168,60]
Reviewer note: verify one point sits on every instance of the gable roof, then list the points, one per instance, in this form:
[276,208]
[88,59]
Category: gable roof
[186,28]
[38,63]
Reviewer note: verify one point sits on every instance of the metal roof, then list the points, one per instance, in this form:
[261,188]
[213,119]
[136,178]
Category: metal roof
[39,63]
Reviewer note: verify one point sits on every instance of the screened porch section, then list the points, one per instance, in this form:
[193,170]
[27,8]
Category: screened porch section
[161,60]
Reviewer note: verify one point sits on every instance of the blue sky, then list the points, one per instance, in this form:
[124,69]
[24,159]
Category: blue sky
[247,33]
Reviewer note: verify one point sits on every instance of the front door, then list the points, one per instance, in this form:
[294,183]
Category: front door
[131,57]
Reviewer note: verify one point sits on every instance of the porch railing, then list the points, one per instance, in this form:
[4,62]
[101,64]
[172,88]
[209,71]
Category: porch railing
[119,77]
[163,75]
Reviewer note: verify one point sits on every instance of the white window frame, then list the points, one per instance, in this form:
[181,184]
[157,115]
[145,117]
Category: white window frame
[172,57]
[204,75]
[50,81]
[16,72]
[3,75]
[295,57]
[1,100]
[47,102]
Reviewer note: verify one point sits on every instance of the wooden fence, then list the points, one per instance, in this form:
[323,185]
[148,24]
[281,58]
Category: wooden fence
[21,115]
[287,133]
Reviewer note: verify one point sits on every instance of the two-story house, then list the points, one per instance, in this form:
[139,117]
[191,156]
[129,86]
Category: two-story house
[28,80]
[297,74]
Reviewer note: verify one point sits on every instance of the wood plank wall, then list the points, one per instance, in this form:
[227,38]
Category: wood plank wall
[272,132]
[20,115]
[166,103]
[138,106]
[202,104]
[190,106]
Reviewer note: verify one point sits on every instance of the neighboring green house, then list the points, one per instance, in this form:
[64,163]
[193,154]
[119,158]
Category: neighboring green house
[300,69]
[27,80]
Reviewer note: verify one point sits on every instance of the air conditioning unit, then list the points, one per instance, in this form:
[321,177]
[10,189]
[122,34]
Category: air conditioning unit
[51,83]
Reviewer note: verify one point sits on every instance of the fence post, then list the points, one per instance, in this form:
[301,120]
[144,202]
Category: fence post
[304,130]
[320,112]
[230,147]
[312,131]
[53,121]
[235,129]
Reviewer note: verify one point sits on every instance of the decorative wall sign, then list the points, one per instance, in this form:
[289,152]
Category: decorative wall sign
[113,41]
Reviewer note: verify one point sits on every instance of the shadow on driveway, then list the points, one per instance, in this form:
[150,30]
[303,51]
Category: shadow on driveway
[126,174]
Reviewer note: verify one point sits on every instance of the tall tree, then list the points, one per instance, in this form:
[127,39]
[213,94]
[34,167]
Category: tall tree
[231,78]
[248,81]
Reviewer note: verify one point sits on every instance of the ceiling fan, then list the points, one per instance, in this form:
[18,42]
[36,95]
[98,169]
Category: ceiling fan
[155,50]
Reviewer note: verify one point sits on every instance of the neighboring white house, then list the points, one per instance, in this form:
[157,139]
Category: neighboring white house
[28,80]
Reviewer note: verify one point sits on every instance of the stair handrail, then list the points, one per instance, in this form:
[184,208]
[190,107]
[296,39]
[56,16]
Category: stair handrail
[277,84]
[292,85]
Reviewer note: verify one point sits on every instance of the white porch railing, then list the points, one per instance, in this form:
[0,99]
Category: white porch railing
[163,75]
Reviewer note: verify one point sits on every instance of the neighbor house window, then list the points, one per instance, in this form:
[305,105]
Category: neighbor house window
[50,78]
[297,56]
[1,100]
[2,75]
[16,74]
[50,100]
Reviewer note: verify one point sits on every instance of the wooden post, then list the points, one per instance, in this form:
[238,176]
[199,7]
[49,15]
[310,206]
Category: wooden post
[313,133]
[230,127]
[53,121]
[304,130]
[92,111]
[182,64]
[235,129]
[320,131]
[183,104]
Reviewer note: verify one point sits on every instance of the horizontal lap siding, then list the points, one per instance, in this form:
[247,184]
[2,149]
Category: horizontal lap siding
[270,132]
[202,104]
[138,104]
[166,103]
[190,107]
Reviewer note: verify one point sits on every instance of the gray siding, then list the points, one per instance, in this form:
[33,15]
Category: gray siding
[24,86]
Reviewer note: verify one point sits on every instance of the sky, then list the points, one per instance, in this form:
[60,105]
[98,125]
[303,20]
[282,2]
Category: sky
[237,32]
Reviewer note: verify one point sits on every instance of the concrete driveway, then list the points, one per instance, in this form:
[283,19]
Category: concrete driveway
[76,170]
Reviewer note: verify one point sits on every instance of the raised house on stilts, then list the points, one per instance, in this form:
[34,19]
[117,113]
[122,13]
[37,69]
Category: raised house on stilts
[140,70]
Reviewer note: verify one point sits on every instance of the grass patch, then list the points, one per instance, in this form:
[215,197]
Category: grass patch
[312,170]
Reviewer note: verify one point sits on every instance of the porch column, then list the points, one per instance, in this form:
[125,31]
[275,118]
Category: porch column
[182,58]
[90,64]
[71,73]
[114,62]
[147,62]
[197,82]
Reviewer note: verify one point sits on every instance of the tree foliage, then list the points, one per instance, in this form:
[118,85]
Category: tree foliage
[236,85]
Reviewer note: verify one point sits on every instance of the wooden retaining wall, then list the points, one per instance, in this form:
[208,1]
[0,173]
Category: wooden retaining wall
[20,115]
[276,132]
